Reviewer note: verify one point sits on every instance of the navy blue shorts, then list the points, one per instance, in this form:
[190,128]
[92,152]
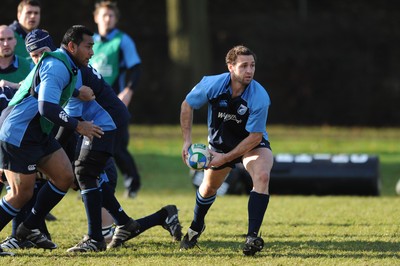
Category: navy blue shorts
[232,164]
[24,159]
[103,144]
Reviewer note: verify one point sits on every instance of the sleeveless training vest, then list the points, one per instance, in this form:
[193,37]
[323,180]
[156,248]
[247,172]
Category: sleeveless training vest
[27,87]
[24,67]
[106,58]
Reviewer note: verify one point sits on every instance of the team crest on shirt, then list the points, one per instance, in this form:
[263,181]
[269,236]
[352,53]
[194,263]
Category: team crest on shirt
[242,109]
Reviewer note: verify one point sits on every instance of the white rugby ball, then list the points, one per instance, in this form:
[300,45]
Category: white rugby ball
[198,156]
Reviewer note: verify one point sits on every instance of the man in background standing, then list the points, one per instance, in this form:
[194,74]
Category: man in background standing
[28,19]
[116,59]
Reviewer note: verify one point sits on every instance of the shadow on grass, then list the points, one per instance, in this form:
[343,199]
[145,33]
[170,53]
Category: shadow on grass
[288,249]
[326,248]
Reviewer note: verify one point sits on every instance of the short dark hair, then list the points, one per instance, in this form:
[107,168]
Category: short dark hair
[75,34]
[233,53]
[107,4]
[27,3]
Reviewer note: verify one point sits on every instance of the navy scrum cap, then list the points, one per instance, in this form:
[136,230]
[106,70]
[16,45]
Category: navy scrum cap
[37,39]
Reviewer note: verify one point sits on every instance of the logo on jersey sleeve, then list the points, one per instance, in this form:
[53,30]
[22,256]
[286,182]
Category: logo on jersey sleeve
[95,72]
[63,116]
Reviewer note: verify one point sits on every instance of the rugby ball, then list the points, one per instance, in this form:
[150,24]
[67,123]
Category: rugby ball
[198,156]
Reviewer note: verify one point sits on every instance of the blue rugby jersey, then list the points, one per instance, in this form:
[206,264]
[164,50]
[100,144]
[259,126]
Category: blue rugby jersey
[107,110]
[54,77]
[230,120]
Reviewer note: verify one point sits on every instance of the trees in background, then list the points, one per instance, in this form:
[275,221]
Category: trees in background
[323,62]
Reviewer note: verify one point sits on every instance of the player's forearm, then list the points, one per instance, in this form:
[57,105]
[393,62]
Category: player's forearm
[132,77]
[244,146]
[186,120]
[10,84]
[126,96]
[57,115]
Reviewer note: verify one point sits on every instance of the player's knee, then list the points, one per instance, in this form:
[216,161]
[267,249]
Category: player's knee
[69,178]
[64,181]
[87,174]
[83,168]
[86,182]
[261,180]
[207,190]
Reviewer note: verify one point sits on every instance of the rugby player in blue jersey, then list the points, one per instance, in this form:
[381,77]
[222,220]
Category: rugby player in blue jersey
[237,116]
[27,144]
[108,112]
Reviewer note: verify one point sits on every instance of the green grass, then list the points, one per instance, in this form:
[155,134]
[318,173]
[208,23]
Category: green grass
[298,230]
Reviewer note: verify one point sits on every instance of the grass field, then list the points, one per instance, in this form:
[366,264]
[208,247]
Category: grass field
[298,230]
